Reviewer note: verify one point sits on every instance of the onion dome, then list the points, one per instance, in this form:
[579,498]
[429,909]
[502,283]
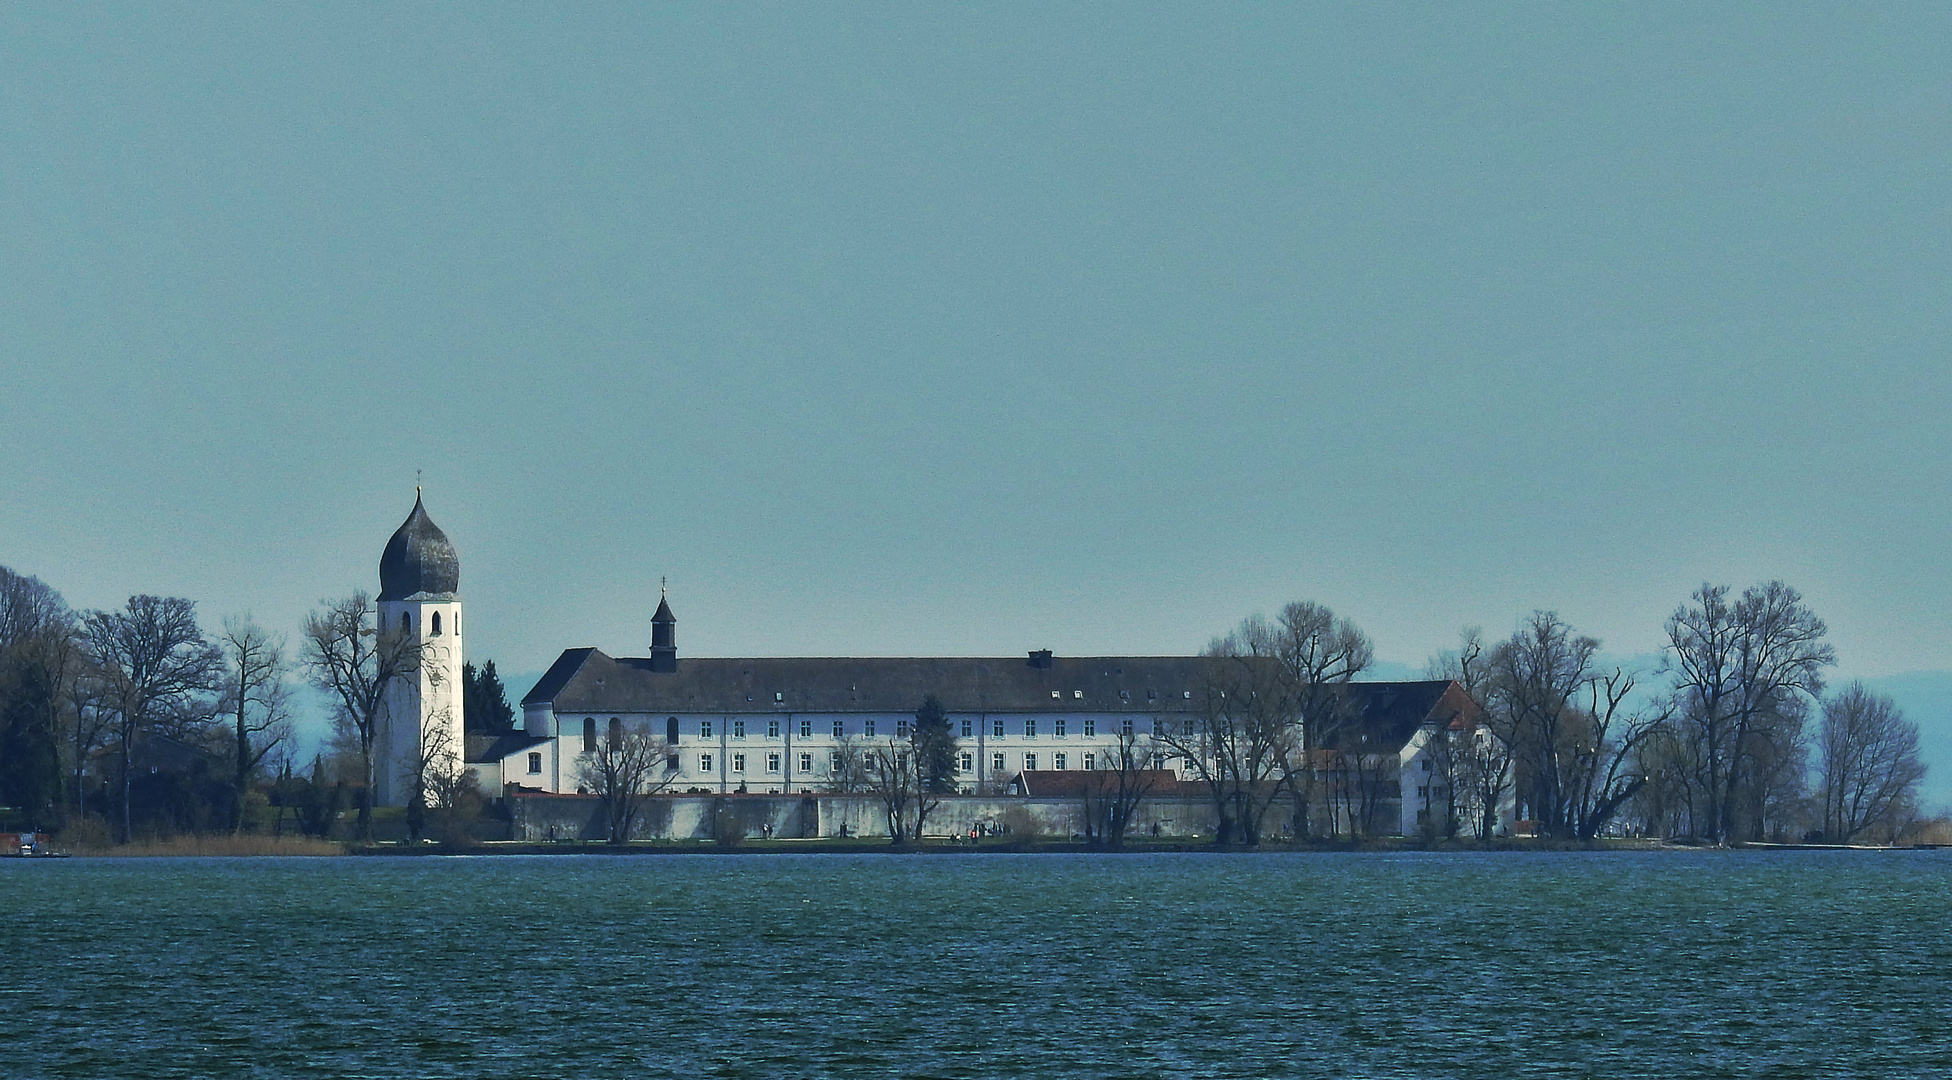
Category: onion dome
[419,559]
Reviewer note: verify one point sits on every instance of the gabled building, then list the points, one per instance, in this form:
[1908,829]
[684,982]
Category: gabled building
[786,724]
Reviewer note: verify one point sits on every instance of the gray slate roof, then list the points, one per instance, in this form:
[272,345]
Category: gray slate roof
[487,748]
[1390,713]
[587,681]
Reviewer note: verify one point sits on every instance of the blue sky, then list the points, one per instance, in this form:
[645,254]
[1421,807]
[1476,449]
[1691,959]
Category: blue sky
[900,329]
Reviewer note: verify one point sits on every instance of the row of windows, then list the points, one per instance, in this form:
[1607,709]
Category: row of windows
[1059,761]
[779,697]
[737,762]
[1060,728]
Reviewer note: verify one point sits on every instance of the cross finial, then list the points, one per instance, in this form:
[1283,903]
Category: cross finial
[416,481]
[663,584]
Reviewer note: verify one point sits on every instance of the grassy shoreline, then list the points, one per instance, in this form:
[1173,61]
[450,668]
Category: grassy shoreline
[224,846]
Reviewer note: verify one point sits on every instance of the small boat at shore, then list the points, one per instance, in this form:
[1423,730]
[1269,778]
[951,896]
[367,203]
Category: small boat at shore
[28,846]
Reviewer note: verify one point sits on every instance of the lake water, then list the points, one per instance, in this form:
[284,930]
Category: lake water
[1608,964]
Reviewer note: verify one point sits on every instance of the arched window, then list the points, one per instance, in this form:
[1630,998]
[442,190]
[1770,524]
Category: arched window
[616,734]
[436,631]
[589,734]
[406,622]
[671,730]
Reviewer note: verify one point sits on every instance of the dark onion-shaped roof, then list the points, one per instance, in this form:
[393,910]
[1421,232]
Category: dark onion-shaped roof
[419,559]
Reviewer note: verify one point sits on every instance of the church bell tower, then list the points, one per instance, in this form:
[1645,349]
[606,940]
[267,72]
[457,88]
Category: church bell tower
[420,578]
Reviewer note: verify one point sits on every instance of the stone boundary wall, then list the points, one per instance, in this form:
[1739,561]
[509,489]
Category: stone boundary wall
[535,816]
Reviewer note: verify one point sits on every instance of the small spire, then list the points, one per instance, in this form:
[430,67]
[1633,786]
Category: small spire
[663,587]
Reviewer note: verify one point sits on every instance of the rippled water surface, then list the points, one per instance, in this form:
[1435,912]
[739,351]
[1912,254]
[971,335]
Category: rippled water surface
[1658,964]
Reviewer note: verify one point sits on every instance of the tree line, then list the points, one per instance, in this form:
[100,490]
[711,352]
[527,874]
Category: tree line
[145,722]
[1734,735]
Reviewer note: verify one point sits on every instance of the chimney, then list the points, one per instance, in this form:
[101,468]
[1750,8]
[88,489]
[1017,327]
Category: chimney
[1040,659]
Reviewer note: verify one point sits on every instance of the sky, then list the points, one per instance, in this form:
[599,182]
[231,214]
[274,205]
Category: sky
[956,329]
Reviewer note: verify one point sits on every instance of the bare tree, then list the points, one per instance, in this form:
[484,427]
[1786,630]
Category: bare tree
[847,772]
[448,790]
[627,765]
[1538,677]
[898,777]
[350,657]
[38,668]
[1114,791]
[1869,763]
[1743,675]
[1243,737]
[1606,769]
[154,666]
[255,702]
[1320,654]
[1480,761]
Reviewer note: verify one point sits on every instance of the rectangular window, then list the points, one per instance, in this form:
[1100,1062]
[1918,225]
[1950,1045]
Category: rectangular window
[1030,762]
[806,727]
[968,726]
[772,762]
[772,729]
[968,762]
[1125,727]
[1426,764]
[1090,728]
[806,762]
[1057,728]
[901,727]
[704,763]
[996,762]
[738,763]
[738,729]
[1030,729]
[1423,791]
[535,764]
[833,761]
[840,728]
[1057,762]
[1090,762]
[996,728]
[704,729]
[867,727]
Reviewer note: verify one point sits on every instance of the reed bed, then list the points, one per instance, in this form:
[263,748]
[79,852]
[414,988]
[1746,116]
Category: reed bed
[218,845]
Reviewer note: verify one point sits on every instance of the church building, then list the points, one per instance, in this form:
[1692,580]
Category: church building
[788,726]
